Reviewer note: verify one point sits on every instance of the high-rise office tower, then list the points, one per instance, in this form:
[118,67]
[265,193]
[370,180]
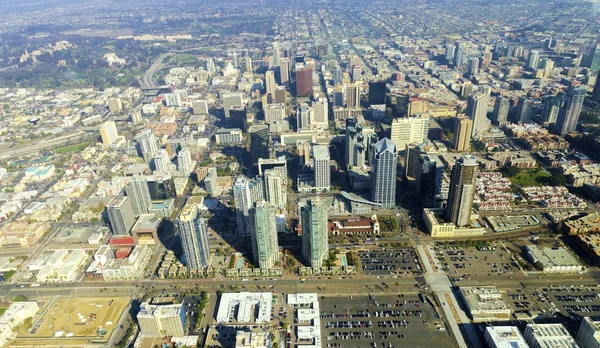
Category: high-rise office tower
[462,190]
[108,132]
[115,105]
[244,198]
[139,194]
[501,108]
[248,63]
[259,142]
[552,106]
[120,215]
[238,117]
[276,54]
[412,154]
[337,76]
[596,91]
[428,183]
[200,107]
[592,59]
[162,162]
[210,66]
[459,54]
[372,139]
[147,144]
[274,112]
[477,107]
[463,128]
[321,159]
[473,67]
[338,96]
[193,231]
[568,116]
[487,59]
[315,241]
[284,71]
[231,100]
[533,61]
[280,95]
[524,110]
[270,83]
[235,60]
[352,96]
[185,165]
[450,53]
[355,143]
[383,175]
[265,249]
[377,92]
[408,130]
[303,150]
[304,117]
[303,82]
[356,73]
[321,114]
[275,188]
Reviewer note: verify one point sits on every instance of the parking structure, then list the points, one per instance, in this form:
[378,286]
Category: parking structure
[389,262]
[464,263]
[381,321]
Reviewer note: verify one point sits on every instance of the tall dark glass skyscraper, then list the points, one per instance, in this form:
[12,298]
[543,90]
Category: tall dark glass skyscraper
[462,190]
[377,93]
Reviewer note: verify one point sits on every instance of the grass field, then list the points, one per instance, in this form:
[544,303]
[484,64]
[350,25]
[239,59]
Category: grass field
[530,177]
[73,148]
[65,315]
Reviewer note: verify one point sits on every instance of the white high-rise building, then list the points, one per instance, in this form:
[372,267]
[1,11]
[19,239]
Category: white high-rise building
[139,194]
[274,112]
[276,54]
[109,134]
[284,70]
[408,130]
[275,188]
[210,66]
[231,100]
[161,320]
[162,162]
[533,61]
[185,165]
[321,114]
[270,83]
[147,144]
[477,108]
[193,232]
[588,335]
[321,159]
[245,193]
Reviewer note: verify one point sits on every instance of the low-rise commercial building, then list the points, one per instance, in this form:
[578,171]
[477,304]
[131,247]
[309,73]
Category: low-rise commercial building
[308,330]
[551,260]
[586,224]
[549,336]
[245,307]
[485,303]
[145,229]
[504,337]
[438,229]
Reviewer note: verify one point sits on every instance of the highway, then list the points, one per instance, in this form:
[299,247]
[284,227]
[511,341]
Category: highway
[77,136]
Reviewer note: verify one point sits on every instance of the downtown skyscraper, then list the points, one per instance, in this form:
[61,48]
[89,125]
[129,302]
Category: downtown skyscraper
[147,144]
[315,242]
[139,194]
[477,106]
[383,175]
[265,249]
[245,193]
[462,190]
[321,159]
[193,231]
[568,116]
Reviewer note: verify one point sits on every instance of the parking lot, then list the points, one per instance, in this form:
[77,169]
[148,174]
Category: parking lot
[389,262]
[381,321]
[576,300]
[464,263]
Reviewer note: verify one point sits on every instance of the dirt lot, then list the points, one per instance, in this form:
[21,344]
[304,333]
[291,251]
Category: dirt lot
[79,316]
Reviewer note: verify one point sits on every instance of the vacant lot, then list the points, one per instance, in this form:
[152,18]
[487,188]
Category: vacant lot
[73,148]
[81,317]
